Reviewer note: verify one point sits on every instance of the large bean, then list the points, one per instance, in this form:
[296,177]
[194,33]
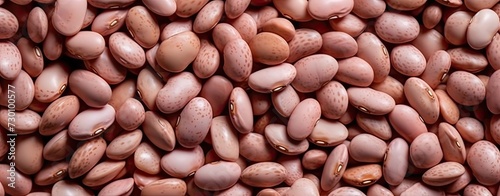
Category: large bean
[185,45]
[224,138]
[86,157]
[59,114]
[32,58]
[355,71]
[194,122]
[91,88]
[68,16]
[335,166]
[126,51]
[273,78]
[425,151]
[142,26]
[237,60]
[159,131]
[465,88]
[177,92]
[269,48]
[370,101]
[483,158]
[174,163]
[285,101]
[422,98]
[396,28]
[328,133]
[309,68]
[91,123]
[254,147]
[322,10]
[305,42]
[303,119]
[277,136]
[406,121]
[124,145]
[217,175]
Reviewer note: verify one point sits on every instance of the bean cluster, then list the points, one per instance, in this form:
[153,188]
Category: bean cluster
[250,97]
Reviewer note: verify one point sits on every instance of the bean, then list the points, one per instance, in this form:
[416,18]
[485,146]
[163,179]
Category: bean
[397,28]
[264,174]
[124,145]
[224,138]
[188,47]
[174,163]
[322,134]
[86,157]
[316,9]
[68,16]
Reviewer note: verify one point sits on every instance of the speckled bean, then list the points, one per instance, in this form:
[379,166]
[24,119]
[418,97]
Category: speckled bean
[177,92]
[124,145]
[86,157]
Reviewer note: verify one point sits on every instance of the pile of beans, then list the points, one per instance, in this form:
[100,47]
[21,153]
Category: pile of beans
[250,97]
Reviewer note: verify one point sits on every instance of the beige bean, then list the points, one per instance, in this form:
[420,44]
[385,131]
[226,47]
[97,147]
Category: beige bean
[68,16]
[240,110]
[408,60]
[305,42]
[276,135]
[177,92]
[159,131]
[103,173]
[10,60]
[492,91]
[118,187]
[470,129]
[379,59]
[174,163]
[109,21]
[142,26]
[126,51]
[263,14]
[355,71]
[166,186]
[397,28]
[263,174]
[392,87]
[224,138]
[476,189]
[86,157]
[162,8]
[406,121]
[59,147]
[335,166]
[451,142]
[370,101]
[425,151]
[296,11]
[308,68]
[85,45]
[465,88]
[51,173]
[217,176]
[124,145]
[455,27]
[32,58]
[246,26]
[254,147]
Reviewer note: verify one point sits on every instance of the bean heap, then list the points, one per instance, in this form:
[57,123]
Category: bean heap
[250,97]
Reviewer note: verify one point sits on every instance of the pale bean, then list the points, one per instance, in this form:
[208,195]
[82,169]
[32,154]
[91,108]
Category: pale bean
[103,173]
[183,162]
[328,133]
[355,71]
[302,186]
[465,88]
[67,187]
[85,45]
[148,86]
[176,27]
[237,189]
[142,26]
[406,121]
[421,97]
[147,158]
[335,166]
[86,157]
[126,51]
[405,5]
[159,131]
[305,42]
[207,61]
[68,16]
[245,25]
[240,110]
[421,189]
[392,87]
[378,189]
[333,100]
[264,14]
[224,138]
[26,121]
[186,9]
[29,150]
[9,26]
[33,62]
[166,186]
[430,41]
[425,151]
[477,6]
[124,145]
[346,190]
[122,92]
[273,78]
[177,92]
[397,28]
[367,148]
[263,174]
[339,44]
[443,174]
[276,135]
[217,176]
[235,8]
[492,52]
[162,8]
[55,42]
[222,34]
[10,60]
[194,122]
[238,61]
[370,101]
[303,119]
[37,25]
[431,16]
[109,21]
[24,92]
